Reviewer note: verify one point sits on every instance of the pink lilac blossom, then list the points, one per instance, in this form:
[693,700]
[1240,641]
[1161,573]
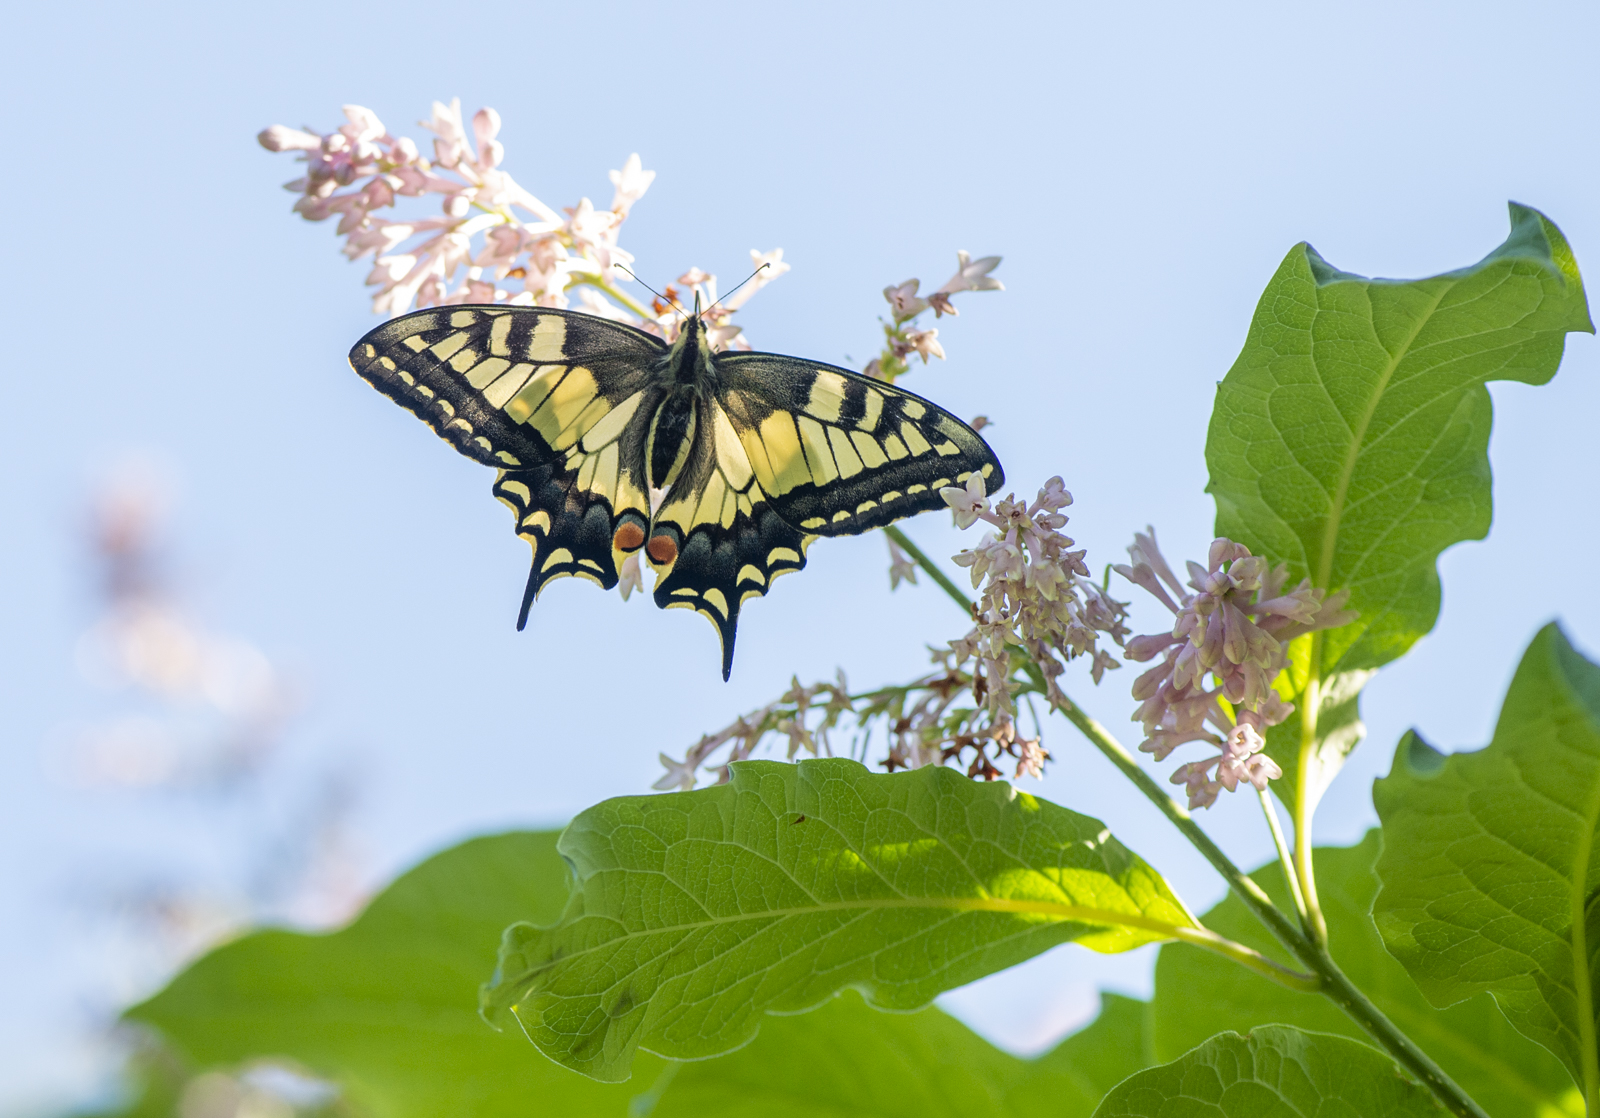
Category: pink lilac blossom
[491,241]
[1035,595]
[1228,644]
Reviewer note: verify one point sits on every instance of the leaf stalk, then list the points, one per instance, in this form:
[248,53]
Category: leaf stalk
[1316,925]
[1285,859]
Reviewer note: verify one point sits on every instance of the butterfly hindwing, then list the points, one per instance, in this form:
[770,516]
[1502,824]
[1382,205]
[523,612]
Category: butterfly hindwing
[838,453]
[558,402]
[728,541]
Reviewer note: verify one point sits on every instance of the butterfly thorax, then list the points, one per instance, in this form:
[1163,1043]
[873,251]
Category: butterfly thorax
[687,374]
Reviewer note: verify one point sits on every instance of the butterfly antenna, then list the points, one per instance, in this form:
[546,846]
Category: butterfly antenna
[746,280]
[670,302]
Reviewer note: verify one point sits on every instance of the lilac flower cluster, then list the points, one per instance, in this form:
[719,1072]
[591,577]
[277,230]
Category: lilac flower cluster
[902,338]
[1233,627]
[505,245]
[924,723]
[797,717]
[926,726]
[1036,595]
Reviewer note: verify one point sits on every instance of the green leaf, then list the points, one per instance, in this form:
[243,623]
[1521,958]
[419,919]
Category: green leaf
[1350,439]
[1490,868]
[846,1059]
[1275,1072]
[696,913]
[386,1008]
[1198,993]
[1074,1076]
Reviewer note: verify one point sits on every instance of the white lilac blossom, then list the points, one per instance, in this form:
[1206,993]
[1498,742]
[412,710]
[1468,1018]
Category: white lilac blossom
[1228,644]
[902,339]
[1036,596]
[491,240]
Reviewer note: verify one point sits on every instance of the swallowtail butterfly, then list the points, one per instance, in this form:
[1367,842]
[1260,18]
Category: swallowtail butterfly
[750,456]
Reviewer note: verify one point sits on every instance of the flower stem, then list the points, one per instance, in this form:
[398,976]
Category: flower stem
[1249,892]
[1331,981]
[1284,858]
[616,293]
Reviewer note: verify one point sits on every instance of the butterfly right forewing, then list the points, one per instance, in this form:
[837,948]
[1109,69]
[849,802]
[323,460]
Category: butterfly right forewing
[838,453]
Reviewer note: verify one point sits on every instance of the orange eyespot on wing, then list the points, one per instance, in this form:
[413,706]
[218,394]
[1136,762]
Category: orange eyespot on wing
[629,537]
[661,549]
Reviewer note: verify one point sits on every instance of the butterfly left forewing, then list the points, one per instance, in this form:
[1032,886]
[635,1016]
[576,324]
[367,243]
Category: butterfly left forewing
[838,453]
[557,401]
[727,542]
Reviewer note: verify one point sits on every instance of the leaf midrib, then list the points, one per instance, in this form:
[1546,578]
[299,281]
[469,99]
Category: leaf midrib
[1330,530]
[1064,912]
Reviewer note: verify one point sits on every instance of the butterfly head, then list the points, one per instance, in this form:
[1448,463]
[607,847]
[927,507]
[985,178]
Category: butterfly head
[691,353]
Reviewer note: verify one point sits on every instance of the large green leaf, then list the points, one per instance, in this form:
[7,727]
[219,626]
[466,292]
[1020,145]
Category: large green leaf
[1275,1072]
[386,1008]
[696,913]
[1490,866]
[1350,439]
[846,1060]
[1198,993]
[386,1005]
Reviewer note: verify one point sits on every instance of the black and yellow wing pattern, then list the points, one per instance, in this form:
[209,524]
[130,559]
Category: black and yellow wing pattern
[721,467]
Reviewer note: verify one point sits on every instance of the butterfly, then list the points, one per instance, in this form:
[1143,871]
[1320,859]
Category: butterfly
[721,467]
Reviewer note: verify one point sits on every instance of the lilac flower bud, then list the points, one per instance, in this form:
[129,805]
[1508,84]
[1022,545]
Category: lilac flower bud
[279,138]
[1144,648]
[1225,551]
[485,126]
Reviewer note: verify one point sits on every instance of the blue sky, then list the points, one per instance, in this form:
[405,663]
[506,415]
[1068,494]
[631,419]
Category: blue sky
[1142,169]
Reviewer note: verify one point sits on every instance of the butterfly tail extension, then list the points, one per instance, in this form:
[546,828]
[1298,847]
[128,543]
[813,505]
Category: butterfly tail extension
[716,570]
[568,528]
[529,592]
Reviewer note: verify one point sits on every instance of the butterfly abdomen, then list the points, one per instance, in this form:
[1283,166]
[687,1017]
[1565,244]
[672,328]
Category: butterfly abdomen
[672,431]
